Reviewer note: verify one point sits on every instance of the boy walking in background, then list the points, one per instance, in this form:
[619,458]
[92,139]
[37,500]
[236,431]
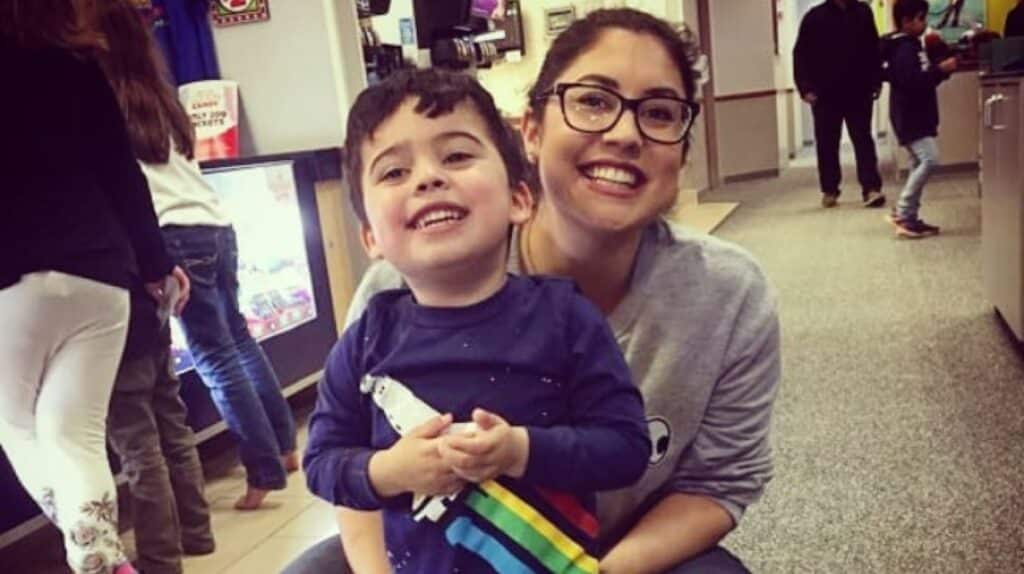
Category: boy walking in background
[913,109]
[481,411]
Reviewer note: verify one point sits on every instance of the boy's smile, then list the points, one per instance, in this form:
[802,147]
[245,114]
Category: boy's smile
[438,216]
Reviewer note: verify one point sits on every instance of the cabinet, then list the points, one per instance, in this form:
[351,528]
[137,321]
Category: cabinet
[1002,213]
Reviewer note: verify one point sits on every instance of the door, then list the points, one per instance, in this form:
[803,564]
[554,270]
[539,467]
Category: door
[1003,202]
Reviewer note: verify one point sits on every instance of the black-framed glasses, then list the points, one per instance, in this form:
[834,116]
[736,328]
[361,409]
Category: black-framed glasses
[593,109]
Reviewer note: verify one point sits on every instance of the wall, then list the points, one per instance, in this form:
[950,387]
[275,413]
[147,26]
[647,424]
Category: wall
[295,73]
[751,121]
[508,82]
[790,132]
[996,11]
[743,49]
[806,118]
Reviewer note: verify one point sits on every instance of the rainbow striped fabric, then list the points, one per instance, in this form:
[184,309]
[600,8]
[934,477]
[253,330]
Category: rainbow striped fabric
[518,529]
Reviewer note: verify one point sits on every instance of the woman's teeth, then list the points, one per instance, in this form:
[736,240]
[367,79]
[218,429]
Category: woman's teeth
[612,175]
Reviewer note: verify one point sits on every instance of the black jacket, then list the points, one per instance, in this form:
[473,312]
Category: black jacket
[913,99]
[1015,22]
[74,198]
[836,53]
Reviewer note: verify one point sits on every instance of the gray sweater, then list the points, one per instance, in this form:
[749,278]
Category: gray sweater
[700,333]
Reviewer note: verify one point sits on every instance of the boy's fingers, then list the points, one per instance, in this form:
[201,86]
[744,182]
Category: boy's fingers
[486,420]
[464,475]
[454,457]
[433,427]
[473,446]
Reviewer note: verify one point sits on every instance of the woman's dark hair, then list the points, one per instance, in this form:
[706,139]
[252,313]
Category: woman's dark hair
[136,70]
[582,34]
[47,23]
[908,9]
[436,92]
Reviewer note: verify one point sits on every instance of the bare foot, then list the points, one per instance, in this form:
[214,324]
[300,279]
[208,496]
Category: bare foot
[252,499]
[290,461]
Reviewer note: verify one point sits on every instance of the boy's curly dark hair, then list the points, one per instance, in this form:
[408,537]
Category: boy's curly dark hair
[437,93]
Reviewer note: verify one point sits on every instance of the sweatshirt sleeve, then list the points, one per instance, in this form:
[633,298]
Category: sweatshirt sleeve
[730,458]
[605,446]
[337,457]
[803,57]
[122,179]
[910,70]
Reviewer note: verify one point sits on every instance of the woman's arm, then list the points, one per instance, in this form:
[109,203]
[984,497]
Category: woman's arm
[362,538]
[678,528]
[729,462]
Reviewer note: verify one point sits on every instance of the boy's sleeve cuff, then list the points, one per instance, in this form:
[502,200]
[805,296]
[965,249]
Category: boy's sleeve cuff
[360,489]
[544,450]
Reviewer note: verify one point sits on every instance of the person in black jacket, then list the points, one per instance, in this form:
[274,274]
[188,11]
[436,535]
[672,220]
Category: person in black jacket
[838,72]
[1015,21]
[913,108]
[78,229]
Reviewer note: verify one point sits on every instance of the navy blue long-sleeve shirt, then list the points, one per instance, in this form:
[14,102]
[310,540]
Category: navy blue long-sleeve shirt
[913,99]
[536,353]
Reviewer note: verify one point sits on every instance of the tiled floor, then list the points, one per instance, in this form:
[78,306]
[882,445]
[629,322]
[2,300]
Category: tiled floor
[258,542]
[704,217]
[262,541]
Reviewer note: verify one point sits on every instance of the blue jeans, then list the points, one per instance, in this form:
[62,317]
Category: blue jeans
[329,556]
[924,154]
[231,363]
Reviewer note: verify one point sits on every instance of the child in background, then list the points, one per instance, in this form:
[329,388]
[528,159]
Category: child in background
[480,411]
[913,109]
[232,365]
[146,426]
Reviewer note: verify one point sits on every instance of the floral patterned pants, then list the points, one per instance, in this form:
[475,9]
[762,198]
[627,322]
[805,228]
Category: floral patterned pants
[60,347]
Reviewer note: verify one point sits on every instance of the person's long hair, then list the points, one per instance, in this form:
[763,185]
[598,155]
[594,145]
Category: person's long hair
[136,70]
[47,23]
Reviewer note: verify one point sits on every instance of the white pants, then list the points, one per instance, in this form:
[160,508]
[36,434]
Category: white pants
[60,346]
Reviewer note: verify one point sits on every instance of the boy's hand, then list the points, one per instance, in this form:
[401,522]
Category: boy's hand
[413,464]
[184,289]
[810,98]
[949,65]
[162,294]
[495,449]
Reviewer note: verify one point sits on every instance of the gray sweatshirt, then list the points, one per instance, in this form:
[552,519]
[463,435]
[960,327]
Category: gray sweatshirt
[700,333]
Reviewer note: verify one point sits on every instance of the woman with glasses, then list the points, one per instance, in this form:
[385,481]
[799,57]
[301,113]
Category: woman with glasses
[607,128]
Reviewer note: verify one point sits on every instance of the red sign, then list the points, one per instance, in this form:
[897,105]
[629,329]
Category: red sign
[227,12]
[212,105]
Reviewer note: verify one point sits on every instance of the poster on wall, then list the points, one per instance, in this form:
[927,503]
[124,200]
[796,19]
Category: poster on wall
[275,285]
[212,105]
[228,12]
[951,18]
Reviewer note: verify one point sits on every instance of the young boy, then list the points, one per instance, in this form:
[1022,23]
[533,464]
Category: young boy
[914,108]
[480,411]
